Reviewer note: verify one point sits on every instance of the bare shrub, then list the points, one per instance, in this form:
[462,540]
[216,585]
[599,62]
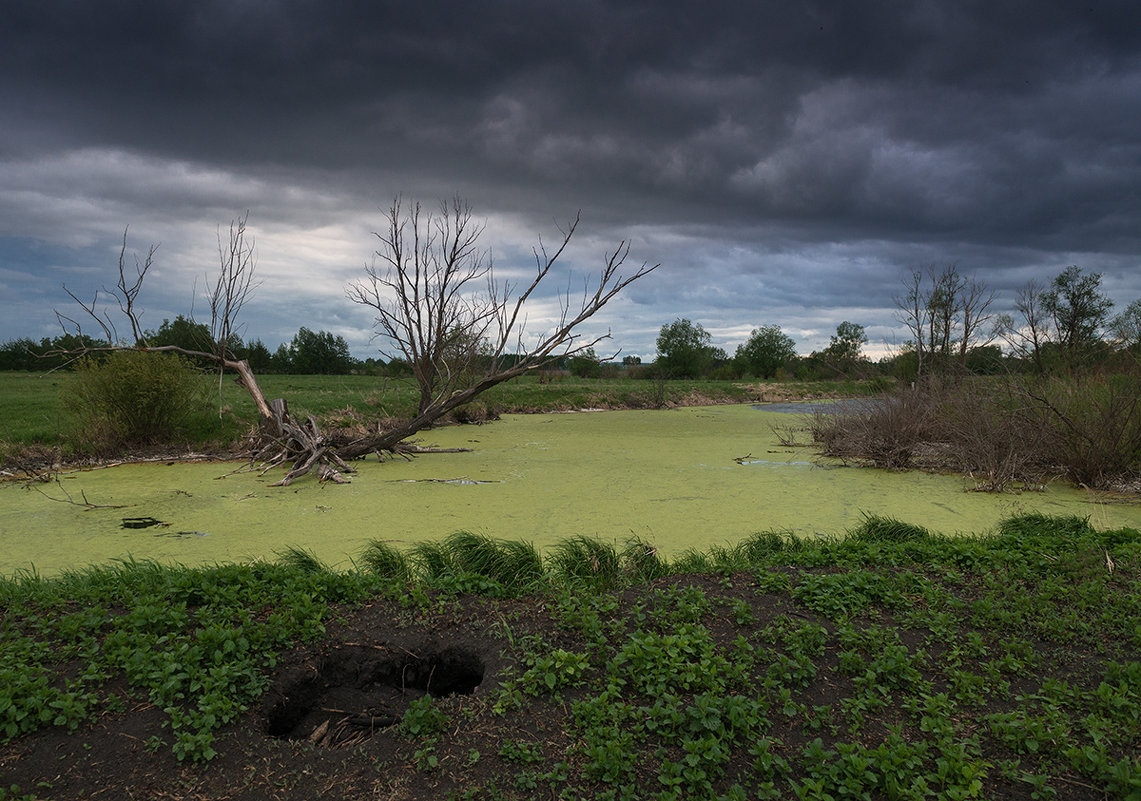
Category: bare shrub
[990,432]
[1095,425]
[1004,434]
[887,432]
[474,413]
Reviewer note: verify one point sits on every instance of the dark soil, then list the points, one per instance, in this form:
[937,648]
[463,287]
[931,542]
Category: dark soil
[327,727]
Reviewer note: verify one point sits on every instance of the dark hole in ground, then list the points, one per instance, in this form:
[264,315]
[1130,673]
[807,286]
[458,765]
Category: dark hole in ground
[356,690]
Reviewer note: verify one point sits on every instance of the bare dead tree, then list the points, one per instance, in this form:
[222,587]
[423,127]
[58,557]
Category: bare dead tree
[913,312]
[437,304]
[457,339]
[281,439]
[944,311]
[974,301]
[1027,334]
[423,295]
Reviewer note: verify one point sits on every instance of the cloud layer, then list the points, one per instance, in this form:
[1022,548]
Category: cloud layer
[785,163]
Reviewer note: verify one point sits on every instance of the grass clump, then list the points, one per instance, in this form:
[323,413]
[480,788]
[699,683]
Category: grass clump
[586,562]
[387,562]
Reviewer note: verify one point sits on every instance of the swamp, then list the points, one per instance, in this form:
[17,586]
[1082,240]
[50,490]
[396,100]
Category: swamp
[677,479]
[638,604]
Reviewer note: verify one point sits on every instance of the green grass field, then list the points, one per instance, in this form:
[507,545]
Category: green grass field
[31,412]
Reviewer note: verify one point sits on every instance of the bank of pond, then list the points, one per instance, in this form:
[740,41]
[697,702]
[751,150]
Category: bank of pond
[678,480]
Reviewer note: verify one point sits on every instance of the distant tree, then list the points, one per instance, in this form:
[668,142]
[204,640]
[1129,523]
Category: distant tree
[319,353]
[844,348]
[1126,327]
[985,360]
[684,349]
[259,357]
[281,361]
[766,351]
[184,334]
[1079,311]
[631,361]
[585,364]
[20,354]
[181,332]
[398,367]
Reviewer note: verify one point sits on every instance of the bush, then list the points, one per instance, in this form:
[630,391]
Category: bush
[1095,424]
[887,432]
[1004,433]
[133,398]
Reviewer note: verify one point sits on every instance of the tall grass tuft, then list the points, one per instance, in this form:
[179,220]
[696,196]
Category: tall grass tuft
[1035,526]
[472,553]
[581,560]
[432,561]
[692,561]
[513,564]
[519,565]
[727,558]
[387,562]
[761,547]
[640,562]
[887,529]
[302,559]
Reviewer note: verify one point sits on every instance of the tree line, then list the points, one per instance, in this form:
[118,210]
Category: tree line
[1062,325]
[309,352]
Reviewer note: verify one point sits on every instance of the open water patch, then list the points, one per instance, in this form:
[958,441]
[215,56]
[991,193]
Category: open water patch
[842,406]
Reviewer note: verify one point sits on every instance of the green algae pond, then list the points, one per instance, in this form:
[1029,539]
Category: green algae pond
[679,478]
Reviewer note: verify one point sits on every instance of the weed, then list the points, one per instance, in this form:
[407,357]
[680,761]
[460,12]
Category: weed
[422,719]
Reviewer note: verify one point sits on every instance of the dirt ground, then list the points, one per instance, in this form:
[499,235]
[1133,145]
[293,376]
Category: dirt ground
[324,729]
[326,726]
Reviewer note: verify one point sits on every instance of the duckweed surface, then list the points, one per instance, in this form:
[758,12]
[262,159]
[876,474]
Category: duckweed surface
[683,478]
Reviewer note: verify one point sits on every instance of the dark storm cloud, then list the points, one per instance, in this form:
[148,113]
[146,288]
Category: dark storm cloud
[806,152]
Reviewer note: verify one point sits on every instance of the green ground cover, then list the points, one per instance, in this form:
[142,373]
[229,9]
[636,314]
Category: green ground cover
[890,663]
[31,413]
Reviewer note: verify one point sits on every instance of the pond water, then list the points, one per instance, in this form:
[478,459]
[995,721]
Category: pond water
[679,478]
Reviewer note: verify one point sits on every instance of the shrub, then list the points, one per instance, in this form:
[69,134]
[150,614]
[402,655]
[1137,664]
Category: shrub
[1095,425]
[133,398]
[887,432]
[1003,433]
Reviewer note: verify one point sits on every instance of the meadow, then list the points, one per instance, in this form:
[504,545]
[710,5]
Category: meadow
[31,412]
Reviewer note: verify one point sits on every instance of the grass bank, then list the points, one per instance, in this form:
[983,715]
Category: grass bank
[31,415]
[892,663]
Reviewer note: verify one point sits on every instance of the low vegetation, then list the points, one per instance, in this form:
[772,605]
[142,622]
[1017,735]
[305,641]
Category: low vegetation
[893,663]
[1012,433]
[34,418]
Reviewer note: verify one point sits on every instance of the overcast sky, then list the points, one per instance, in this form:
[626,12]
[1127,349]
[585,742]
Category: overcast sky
[785,162]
